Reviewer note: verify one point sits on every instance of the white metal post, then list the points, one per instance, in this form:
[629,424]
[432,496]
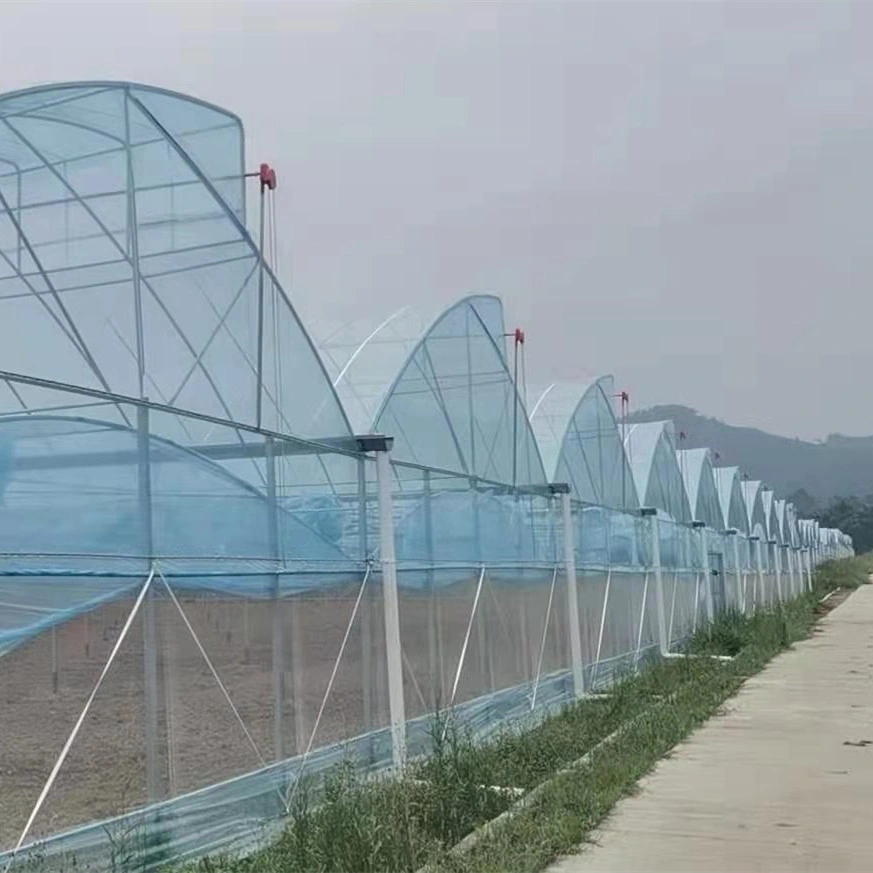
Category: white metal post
[572,596]
[777,566]
[795,569]
[278,631]
[434,619]
[486,657]
[734,536]
[789,559]
[396,706]
[367,602]
[808,555]
[655,540]
[259,373]
[707,572]
[150,651]
[759,565]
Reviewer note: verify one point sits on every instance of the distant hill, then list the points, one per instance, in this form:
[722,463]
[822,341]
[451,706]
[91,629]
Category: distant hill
[807,473]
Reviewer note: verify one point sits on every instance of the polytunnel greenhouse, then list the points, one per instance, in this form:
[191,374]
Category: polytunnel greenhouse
[235,551]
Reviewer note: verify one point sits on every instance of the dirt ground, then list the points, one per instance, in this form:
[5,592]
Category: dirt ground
[199,739]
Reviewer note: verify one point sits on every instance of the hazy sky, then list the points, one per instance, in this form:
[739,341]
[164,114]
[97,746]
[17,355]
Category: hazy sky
[677,193]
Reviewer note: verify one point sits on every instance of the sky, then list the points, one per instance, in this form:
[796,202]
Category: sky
[679,194]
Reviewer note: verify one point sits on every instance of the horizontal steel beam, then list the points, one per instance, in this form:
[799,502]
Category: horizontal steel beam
[162,452]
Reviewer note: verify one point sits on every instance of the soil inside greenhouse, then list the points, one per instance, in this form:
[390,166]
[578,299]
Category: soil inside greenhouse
[199,738]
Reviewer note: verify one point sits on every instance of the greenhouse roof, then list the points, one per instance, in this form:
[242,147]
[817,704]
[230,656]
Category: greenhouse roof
[580,443]
[730,493]
[124,249]
[758,518]
[363,357]
[700,486]
[441,386]
[651,452]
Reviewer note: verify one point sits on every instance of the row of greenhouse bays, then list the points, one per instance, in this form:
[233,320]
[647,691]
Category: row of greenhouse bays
[254,570]
[482,624]
[493,641]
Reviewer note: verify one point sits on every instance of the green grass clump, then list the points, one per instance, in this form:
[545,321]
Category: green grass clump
[348,822]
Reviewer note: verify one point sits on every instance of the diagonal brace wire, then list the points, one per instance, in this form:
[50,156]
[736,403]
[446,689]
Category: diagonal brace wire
[329,686]
[80,721]
[212,669]
[466,643]
[533,700]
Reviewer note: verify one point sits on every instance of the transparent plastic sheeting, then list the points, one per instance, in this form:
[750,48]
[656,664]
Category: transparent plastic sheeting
[195,607]
[124,249]
[259,652]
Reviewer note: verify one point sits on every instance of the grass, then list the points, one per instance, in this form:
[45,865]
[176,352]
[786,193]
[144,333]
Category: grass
[406,822]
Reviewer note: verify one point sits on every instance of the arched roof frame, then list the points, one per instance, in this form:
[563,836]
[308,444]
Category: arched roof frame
[804,527]
[755,508]
[768,498]
[580,443]
[170,272]
[363,357]
[733,503]
[453,404]
[779,507]
[700,488]
[791,531]
[651,452]
[200,511]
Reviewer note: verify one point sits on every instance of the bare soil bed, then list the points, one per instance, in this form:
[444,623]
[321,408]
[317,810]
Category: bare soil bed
[199,739]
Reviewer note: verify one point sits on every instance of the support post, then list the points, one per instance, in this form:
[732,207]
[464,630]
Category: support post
[807,554]
[655,541]
[789,559]
[707,570]
[759,569]
[798,571]
[267,180]
[486,656]
[434,624]
[733,536]
[396,706]
[777,566]
[572,594]
[366,603]
[276,595]
[150,648]
[132,249]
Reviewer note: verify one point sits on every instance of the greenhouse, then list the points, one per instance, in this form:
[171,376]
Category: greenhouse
[699,478]
[235,551]
[580,442]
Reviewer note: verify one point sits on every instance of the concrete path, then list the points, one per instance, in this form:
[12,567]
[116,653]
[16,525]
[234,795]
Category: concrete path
[783,781]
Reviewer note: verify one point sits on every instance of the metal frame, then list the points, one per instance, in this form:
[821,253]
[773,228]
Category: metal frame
[397,710]
[563,492]
[706,569]
[655,538]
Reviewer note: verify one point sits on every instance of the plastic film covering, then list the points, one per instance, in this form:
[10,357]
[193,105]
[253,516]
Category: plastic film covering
[364,357]
[768,499]
[730,494]
[757,517]
[651,452]
[700,487]
[454,403]
[123,247]
[125,551]
[580,442]
[616,592]
[208,591]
